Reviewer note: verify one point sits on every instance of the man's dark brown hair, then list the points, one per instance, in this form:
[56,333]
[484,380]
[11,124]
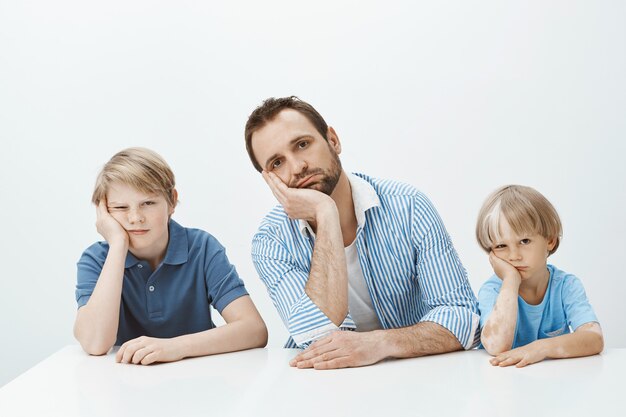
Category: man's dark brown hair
[270,108]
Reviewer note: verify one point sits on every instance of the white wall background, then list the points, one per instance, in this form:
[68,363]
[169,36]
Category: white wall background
[454,97]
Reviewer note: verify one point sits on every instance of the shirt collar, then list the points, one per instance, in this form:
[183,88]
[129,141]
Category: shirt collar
[177,248]
[364,198]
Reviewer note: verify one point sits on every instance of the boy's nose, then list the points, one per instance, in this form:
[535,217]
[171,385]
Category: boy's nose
[514,255]
[135,217]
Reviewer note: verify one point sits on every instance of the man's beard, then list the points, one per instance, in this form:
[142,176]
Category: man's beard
[329,178]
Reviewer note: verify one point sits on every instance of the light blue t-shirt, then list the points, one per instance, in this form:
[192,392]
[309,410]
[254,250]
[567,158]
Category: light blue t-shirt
[563,309]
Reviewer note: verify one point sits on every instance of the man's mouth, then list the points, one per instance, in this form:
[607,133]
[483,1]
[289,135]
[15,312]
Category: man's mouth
[306,181]
[138,232]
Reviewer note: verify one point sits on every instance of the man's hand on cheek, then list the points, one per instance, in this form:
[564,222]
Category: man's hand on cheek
[299,203]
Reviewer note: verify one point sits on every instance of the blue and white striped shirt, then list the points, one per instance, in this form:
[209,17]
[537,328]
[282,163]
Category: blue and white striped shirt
[412,271]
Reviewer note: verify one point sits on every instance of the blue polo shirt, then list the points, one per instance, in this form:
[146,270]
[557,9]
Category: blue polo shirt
[173,300]
[564,308]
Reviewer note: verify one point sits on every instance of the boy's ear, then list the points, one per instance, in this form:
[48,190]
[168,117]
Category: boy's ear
[551,243]
[175,199]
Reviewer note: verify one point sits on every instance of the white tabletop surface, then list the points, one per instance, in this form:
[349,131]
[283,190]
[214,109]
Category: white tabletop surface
[260,382]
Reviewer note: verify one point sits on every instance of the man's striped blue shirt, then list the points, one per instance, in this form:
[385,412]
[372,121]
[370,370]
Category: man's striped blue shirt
[410,266]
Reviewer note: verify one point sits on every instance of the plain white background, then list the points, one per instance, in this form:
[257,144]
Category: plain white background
[454,97]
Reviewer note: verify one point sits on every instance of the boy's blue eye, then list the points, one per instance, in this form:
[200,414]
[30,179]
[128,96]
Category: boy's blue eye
[499,246]
[525,241]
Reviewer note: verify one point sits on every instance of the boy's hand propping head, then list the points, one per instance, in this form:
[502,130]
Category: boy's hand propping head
[110,229]
[503,269]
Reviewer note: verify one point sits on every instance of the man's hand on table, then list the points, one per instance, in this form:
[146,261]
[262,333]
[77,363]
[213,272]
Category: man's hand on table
[343,349]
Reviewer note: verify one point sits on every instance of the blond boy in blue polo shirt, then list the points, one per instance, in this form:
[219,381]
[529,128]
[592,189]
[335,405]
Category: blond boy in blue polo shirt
[530,310]
[149,286]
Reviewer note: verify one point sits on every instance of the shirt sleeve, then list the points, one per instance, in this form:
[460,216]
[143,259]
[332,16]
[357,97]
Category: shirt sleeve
[578,311]
[89,267]
[285,282]
[442,280]
[222,280]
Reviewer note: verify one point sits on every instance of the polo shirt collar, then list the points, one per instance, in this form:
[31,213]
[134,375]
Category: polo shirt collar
[177,248]
[364,198]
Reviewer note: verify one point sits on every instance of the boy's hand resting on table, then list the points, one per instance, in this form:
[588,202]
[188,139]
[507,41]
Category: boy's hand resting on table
[145,350]
[521,356]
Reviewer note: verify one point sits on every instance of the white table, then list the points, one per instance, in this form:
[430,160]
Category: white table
[260,383]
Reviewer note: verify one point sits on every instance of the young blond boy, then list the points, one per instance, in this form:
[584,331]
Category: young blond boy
[530,310]
[149,286]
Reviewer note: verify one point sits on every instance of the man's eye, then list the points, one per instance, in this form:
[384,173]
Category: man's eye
[276,163]
[303,144]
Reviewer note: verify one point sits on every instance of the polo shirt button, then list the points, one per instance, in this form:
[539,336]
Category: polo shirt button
[140,266]
[151,288]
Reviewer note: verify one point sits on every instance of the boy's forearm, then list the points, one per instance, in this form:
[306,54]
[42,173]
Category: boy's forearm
[585,341]
[231,337]
[97,322]
[499,331]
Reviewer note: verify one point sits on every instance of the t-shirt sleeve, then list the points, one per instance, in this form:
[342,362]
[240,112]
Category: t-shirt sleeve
[222,281]
[487,297]
[89,267]
[578,311]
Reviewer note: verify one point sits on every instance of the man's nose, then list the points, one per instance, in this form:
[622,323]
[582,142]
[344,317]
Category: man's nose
[299,166]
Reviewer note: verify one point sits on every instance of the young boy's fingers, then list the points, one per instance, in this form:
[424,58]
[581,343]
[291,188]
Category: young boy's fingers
[150,358]
[120,353]
[508,362]
[101,208]
[140,354]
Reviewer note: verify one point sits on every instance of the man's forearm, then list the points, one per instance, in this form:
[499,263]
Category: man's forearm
[327,285]
[421,339]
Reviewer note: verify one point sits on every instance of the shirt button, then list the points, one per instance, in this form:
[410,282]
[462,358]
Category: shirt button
[140,266]
[151,288]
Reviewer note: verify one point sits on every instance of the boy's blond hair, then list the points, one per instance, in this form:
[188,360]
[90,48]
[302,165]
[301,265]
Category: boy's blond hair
[139,168]
[524,208]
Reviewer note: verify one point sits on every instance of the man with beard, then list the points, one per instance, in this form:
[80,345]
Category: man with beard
[351,252]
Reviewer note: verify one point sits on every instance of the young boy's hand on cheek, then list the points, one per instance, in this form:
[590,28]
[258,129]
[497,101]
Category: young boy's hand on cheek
[503,269]
[110,229]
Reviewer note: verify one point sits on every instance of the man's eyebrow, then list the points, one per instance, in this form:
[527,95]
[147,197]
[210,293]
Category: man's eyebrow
[291,142]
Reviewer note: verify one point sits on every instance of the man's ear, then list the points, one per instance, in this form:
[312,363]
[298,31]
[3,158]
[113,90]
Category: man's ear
[333,140]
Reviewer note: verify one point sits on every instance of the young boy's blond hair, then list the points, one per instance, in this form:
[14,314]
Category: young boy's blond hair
[525,209]
[139,168]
